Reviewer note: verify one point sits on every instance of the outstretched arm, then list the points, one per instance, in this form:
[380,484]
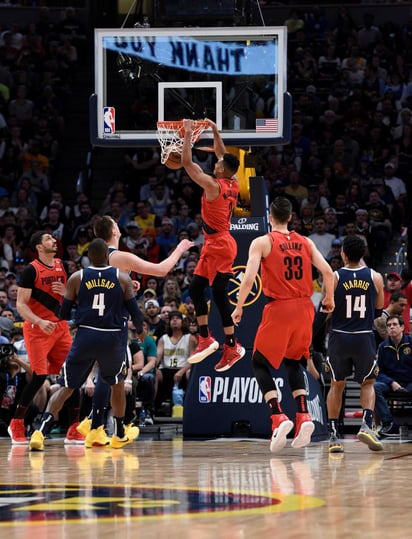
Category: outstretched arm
[218,144]
[208,183]
[130,262]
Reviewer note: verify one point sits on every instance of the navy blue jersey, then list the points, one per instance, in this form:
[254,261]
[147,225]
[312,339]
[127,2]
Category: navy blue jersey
[101,299]
[355,299]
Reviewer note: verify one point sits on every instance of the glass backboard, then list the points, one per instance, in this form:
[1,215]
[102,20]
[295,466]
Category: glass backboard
[234,76]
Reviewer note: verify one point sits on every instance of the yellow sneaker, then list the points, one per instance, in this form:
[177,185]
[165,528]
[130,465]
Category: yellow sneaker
[84,426]
[369,437]
[37,441]
[130,434]
[133,430]
[97,438]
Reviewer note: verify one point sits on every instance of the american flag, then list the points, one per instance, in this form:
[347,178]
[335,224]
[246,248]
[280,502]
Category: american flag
[265,125]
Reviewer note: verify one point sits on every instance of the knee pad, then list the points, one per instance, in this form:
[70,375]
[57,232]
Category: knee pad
[262,372]
[219,290]
[295,374]
[197,293]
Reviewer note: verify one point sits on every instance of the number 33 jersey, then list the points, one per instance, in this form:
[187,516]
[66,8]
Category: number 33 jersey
[287,270]
[355,299]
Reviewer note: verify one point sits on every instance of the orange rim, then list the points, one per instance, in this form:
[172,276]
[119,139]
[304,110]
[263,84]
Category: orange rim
[177,125]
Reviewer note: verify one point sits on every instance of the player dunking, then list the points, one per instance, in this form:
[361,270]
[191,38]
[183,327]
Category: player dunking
[359,299]
[219,250]
[285,332]
[103,294]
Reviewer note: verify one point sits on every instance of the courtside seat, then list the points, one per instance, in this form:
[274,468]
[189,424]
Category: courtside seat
[400,404]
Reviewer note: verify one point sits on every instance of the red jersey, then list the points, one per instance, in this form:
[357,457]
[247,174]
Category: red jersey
[287,271]
[43,301]
[216,214]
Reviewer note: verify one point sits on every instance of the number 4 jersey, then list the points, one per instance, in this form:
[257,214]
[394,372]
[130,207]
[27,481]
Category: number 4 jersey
[355,298]
[287,270]
[99,288]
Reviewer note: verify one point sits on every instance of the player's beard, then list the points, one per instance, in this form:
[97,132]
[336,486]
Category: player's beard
[51,251]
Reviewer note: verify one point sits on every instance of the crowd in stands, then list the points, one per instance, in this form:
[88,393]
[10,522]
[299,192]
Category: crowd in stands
[347,169]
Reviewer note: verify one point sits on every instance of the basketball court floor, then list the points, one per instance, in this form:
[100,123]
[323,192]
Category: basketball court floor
[164,486]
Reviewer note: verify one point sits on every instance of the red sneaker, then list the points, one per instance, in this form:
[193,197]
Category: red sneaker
[303,430]
[206,346]
[17,432]
[73,437]
[231,354]
[281,426]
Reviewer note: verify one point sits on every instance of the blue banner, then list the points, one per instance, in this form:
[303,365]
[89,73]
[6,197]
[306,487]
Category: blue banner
[212,57]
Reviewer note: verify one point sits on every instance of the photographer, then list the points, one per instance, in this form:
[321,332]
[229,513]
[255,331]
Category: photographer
[15,373]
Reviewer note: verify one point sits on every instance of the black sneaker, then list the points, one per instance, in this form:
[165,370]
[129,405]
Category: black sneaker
[390,430]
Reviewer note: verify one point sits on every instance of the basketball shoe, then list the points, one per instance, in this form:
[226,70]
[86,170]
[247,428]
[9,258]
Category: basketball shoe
[231,354]
[17,432]
[84,426]
[36,441]
[281,426]
[97,438]
[206,346]
[369,437]
[303,430]
[130,434]
[335,445]
[73,436]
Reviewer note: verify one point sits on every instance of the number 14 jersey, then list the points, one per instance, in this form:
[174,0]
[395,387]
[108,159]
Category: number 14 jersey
[355,299]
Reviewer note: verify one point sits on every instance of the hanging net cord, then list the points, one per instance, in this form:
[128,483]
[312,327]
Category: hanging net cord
[170,136]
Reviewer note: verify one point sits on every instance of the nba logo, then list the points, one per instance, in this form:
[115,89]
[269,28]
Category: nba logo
[204,389]
[108,120]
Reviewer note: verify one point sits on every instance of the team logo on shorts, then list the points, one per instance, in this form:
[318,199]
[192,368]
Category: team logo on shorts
[108,120]
[205,389]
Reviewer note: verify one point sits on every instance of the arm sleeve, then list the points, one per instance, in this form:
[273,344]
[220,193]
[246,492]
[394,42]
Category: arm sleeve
[66,309]
[135,313]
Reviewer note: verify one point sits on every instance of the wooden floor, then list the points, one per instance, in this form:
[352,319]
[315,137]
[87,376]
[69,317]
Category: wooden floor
[225,488]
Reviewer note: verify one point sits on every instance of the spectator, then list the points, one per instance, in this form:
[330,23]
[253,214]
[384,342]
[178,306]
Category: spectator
[319,203]
[173,350]
[395,372]
[167,238]
[152,312]
[398,188]
[133,236]
[159,200]
[15,373]
[149,294]
[380,230]
[396,306]
[394,284]
[321,238]
[144,369]
[145,218]
[195,235]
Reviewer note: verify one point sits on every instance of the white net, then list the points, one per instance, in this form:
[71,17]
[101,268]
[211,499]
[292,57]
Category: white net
[170,136]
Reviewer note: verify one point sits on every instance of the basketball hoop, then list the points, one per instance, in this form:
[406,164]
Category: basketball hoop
[170,136]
